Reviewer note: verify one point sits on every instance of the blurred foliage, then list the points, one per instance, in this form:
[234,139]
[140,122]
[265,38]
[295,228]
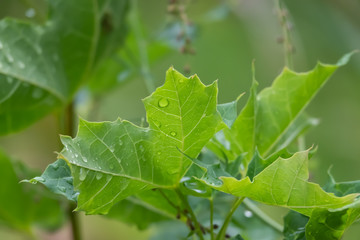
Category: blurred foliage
[226,36]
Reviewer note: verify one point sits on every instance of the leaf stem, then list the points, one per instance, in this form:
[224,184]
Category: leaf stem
[67,126]
[168,200]
[225,225]
[263,216]
[212,218]
[288,46]
[74,220]
[187,206]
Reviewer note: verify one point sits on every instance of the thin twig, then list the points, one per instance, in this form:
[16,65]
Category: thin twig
[212,218]
[285,25]
[225,225]
[184,200]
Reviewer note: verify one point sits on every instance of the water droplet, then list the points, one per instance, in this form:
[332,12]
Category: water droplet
[10,58]
[21,65]
[1,45]
[9,79]
[322,219]
[30,13]
[62,189]
[248,214]
[120,142]
[157,123]
[82,175]
[111,166]
[163,102]
[98,176]
[173,133]
[84,159]
[172,171]
[141,148]
[112,148]
[55,166]
[76,155]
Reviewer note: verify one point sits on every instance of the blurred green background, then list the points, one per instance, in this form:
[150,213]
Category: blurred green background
[228,35]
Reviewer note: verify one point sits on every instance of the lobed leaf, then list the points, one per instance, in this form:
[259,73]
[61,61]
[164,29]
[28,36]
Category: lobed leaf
[22,207]
[285,183]
[113,160]
[273,118]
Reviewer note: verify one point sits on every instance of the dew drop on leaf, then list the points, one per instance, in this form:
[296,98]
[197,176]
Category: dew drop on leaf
[10,58]
[21,65]
[112,148]
[173,133]
[163,102]
[172,171]
[157,123]
[120,142]
[82,175]
[62,189]
[111,166]
[98,176]
[55,166]
[141,148]
[84,159]
[76,155]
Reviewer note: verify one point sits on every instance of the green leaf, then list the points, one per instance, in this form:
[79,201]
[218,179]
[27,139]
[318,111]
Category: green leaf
[274,117]
[135,211]
[41,66]
[294,226]
[22,206]
[341,188]
[57,178]
[113,160]
[258,164]
[285,183]
[242,133]
[332,223]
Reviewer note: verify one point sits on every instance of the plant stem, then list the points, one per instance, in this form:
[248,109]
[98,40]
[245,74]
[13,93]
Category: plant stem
[212,218]
[74,220]
[263,216]
[225,225]
[288,46]
[141,42]
[168,200]
[67,126]
[187,206]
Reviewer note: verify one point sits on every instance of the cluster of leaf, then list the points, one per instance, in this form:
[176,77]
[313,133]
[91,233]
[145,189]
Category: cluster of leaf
[41,68]
[194,151]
